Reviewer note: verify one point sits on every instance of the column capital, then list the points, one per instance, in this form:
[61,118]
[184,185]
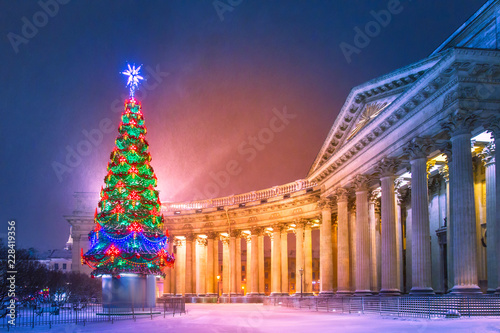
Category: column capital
[325,203]
[342,194]
[224,239]
[212,234]
[202,241]
[179,241]
[360,183]
[258,231]
[460,121]
[418,147]
[492,124]
[387,166]
[445,148]
[374,195]
[277,227]
[235,233]
[444,172]
[487,155]
[190,237]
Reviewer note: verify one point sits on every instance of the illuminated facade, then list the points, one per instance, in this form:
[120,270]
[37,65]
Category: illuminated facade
[400,199]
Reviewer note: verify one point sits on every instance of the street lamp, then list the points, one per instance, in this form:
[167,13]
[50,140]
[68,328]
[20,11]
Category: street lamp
[218,278]
[301,270]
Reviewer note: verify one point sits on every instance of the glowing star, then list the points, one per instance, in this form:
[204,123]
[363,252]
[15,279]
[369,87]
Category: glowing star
[134,78]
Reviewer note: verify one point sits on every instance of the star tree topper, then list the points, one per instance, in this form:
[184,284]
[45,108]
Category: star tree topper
[134,78]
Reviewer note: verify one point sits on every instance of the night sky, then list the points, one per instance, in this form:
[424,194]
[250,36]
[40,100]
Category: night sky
[212,86]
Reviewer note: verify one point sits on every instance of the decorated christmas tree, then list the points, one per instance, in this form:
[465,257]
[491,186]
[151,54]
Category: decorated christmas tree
[128,235]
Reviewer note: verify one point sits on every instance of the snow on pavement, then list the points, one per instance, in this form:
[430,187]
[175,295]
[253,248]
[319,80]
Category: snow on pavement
[250,318]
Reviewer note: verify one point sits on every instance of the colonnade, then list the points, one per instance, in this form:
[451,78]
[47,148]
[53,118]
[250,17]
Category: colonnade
[360,231]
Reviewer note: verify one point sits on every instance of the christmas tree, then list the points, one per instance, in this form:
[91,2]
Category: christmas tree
[128,237]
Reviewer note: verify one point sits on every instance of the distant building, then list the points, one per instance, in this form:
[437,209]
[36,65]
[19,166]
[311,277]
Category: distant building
[60,259]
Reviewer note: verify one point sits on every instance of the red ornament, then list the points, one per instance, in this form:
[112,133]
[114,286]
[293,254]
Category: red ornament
[134,196]
[118,276]
[122,159]
[118,210]
[133,170]
[135,227]
[120,184]
[92,276]
[133,123]
[112,251]
[167,234]
[133,147]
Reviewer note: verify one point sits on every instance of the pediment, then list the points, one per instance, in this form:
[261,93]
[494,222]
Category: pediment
[365,103]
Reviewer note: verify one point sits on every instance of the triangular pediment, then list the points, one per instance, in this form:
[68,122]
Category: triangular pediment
[365,103]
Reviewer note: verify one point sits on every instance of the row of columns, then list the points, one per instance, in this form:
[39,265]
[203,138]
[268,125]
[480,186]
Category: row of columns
[375,268]
[197,263]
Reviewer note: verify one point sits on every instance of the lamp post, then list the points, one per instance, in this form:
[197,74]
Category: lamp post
[301,270]
[218,278]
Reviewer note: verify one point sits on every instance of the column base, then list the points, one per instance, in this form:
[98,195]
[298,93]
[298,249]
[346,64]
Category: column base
[465,290]
[275,294]
[189,295]
[344,292]
[491,291]
[252,294]
[390,292]
[326,294]
[171,295]
[363,293]
[421,291]
[211,295]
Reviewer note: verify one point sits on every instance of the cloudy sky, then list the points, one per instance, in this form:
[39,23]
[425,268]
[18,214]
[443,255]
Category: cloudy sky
[253,86]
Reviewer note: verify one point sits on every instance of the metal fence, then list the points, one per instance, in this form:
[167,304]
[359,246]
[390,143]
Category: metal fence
[445,306]
[46,314]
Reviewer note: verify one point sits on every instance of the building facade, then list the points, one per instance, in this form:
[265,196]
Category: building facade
[402,195]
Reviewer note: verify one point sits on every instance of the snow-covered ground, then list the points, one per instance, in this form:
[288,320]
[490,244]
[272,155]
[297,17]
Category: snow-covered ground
[214,318]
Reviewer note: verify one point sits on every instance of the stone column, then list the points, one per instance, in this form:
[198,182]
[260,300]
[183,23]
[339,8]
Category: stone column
[262,287]
[276,261]
[180,276]
[351,207]
[217,271]
[387,168]
[308,259]
[173,276]
[373,229]
[284,262]
[254,270]
[233,269]
[362,237]
[299,256]
[493,125]
[188,288]
[488,157]
[201,266]
[237,265]
[459,126]
[167,291]
[343,284]
[225,265]
[210,264]
[248,272]
[325,248]
[420,233]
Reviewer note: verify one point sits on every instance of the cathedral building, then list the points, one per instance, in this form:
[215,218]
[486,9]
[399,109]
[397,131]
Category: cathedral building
[400,199]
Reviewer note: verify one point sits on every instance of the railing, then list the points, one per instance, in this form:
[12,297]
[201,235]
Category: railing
[46,314]
[405,306]
[298,185]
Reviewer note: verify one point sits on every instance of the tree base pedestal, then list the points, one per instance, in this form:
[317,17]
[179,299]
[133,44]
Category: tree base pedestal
[129,291]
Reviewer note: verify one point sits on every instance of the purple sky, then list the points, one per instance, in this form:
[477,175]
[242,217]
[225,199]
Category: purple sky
[217,85]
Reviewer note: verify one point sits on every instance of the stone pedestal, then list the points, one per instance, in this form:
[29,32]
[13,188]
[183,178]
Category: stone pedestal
[129,291]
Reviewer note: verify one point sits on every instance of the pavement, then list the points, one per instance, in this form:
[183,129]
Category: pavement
[219,318]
